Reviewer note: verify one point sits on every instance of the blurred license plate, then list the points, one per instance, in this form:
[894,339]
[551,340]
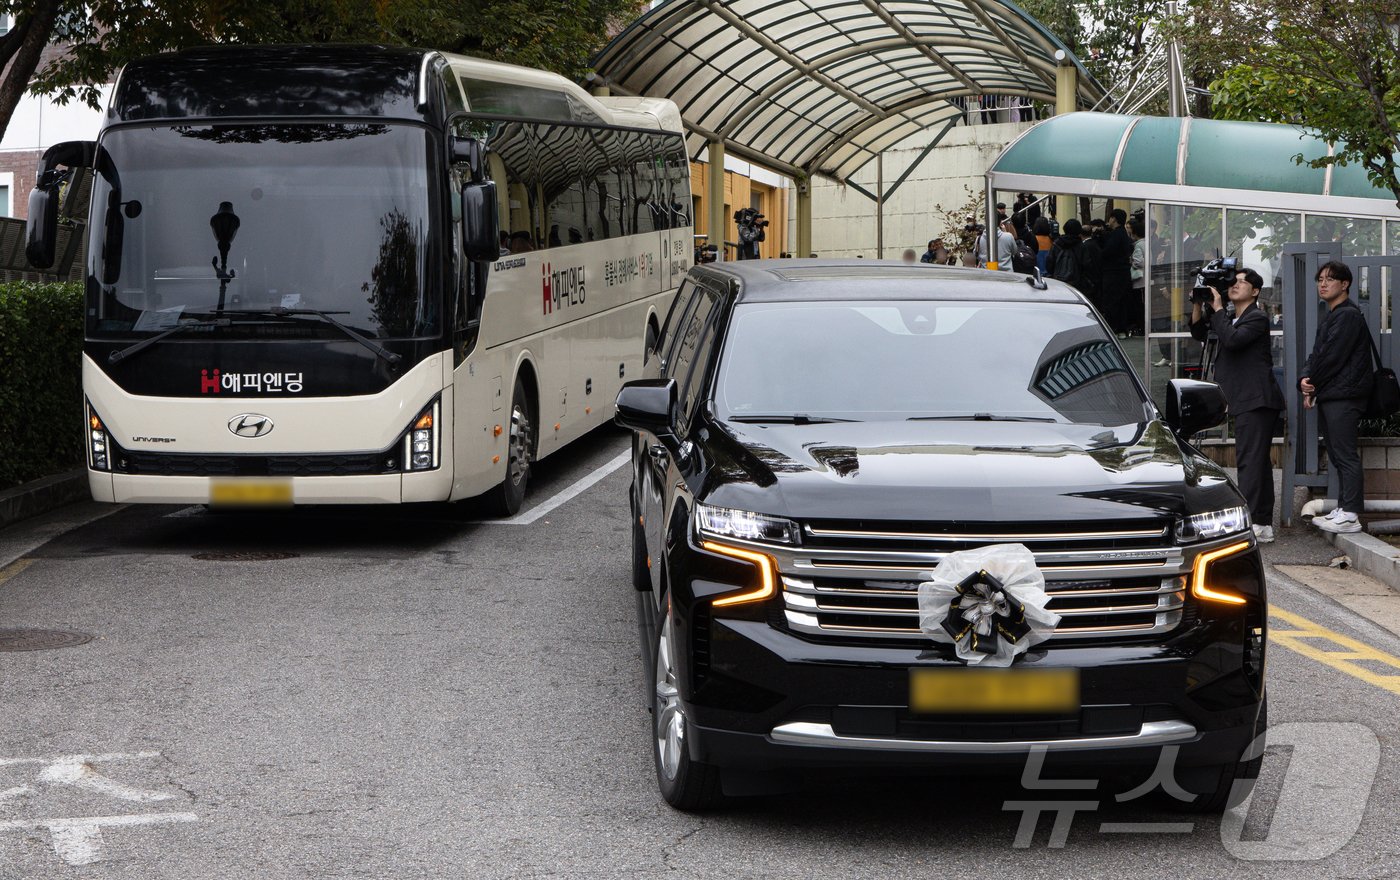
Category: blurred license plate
[250,492]
[993,690]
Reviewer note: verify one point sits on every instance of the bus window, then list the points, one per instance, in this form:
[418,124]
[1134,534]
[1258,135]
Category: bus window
[612,182]
[676,170]
[560,151]
[509,162]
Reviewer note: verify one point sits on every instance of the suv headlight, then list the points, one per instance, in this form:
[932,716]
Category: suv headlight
[744,525]
[1215,524]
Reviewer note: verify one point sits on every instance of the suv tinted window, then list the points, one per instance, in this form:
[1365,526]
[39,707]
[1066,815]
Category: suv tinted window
[918,359]
[692,347]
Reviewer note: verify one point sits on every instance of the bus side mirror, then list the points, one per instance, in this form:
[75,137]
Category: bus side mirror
[41,235]
[42,231]
[479,221]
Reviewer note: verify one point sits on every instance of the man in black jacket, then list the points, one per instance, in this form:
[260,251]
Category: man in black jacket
[1064,256]
[1336,378]
[1115,286]
[1244,368]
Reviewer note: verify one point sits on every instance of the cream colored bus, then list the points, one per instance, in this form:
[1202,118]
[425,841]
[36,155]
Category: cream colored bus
[369,275]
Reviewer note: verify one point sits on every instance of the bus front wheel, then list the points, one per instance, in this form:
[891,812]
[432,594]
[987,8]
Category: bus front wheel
[505,499]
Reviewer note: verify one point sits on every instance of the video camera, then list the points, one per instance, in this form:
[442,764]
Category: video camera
[1218,274]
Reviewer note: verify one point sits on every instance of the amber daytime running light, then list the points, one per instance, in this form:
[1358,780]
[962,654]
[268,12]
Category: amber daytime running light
[765,573]
[1202,565]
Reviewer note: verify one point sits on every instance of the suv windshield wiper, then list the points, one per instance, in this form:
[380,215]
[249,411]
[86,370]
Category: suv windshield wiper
[791,419]
[980,417]
[122,354]
[279,312]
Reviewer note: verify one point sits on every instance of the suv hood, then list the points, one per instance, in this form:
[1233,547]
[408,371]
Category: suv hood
[960,471]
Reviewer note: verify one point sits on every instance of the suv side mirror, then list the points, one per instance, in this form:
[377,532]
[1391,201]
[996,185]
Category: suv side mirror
[479,220]
[1194,406]
[41,234]
[648,405]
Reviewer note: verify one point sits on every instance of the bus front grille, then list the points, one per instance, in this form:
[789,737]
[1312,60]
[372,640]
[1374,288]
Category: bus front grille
[165,464]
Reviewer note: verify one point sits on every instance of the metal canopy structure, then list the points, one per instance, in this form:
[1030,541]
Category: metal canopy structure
[810,87]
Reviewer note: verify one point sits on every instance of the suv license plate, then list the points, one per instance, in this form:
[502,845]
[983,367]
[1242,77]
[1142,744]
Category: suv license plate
[993,690]
[235,493]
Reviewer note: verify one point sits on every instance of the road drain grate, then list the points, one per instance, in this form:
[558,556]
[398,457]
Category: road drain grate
[244,556]
[12,640]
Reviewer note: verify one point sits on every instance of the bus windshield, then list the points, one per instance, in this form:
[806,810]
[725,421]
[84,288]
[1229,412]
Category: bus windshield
[194,219]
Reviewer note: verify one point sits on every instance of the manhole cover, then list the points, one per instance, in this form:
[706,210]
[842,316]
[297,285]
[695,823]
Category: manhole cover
[12,640]
[244,556]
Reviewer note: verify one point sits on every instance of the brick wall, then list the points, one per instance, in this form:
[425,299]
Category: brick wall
[23,164]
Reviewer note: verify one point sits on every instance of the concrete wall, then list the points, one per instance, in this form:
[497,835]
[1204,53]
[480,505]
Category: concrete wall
[843,220]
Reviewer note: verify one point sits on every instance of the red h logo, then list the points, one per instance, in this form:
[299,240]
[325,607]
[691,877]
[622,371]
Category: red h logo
[206,384]
[546,287]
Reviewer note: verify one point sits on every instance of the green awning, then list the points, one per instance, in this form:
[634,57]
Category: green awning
[1208,161]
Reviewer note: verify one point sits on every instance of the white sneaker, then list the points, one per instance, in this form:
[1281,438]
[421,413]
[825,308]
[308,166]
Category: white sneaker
[1164,362]
[1264,534]
[1330,515]
[1344,523]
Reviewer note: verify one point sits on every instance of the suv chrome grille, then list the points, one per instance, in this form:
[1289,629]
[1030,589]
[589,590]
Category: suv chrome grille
[862,582]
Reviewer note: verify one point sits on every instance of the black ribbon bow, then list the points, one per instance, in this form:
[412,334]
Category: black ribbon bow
[984,612]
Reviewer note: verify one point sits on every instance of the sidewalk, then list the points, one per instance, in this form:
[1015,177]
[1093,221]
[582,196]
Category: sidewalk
[40,496]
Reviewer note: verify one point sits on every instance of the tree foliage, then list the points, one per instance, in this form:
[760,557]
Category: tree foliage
[102,35]
[1329,65]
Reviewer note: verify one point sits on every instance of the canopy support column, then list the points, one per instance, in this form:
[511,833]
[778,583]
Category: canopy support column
[714,199]
[1066,92]
[804,218]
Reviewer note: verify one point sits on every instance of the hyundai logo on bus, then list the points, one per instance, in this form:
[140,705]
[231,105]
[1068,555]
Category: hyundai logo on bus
[562,288]
[250,425]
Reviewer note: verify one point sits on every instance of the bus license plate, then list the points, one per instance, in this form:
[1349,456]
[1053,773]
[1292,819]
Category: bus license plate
[993,690]
[250,492]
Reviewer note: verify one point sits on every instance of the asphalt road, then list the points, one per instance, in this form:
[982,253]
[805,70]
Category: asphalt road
[414,694]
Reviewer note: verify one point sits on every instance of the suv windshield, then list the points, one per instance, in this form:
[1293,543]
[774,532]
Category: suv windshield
[899,360]
[331,217]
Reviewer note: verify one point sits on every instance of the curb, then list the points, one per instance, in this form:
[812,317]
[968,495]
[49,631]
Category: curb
[1370,555]
[42,495]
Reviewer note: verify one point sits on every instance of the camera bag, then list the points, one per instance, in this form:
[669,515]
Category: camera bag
[1385,389]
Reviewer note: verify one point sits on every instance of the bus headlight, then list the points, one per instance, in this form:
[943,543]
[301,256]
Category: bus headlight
[97,442]
[422,445]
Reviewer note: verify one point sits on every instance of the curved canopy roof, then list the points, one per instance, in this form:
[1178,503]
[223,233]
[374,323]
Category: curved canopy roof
[823,86]
[1174,158]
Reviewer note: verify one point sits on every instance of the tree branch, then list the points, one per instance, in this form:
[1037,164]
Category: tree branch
[38,28]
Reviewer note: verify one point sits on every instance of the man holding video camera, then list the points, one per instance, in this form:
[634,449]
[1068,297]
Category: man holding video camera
[751,227]
[1244,369]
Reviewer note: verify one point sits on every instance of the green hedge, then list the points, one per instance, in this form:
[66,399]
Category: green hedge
[41,396]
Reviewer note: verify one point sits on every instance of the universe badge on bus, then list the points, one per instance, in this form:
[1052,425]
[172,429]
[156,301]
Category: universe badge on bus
[250,493]
[937,691]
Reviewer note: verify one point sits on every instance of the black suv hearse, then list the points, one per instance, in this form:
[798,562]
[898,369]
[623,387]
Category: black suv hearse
[816,435]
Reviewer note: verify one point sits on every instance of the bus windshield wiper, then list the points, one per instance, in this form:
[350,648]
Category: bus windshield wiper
[980,417]
[279,312]
[791,419]
[122,354]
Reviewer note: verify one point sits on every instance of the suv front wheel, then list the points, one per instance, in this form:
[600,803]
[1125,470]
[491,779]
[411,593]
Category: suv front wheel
[685,784]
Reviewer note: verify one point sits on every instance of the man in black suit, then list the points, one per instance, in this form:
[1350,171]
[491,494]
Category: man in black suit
[1244,368]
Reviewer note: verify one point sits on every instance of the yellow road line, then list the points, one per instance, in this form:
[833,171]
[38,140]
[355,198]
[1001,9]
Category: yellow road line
[1306,636]
[14,568]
